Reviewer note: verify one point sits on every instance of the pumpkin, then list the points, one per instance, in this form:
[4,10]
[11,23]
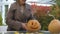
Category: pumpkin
[33,26]
[54,26]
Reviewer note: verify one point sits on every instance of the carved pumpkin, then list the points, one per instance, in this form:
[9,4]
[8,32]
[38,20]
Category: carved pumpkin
[33,26]
[54,26]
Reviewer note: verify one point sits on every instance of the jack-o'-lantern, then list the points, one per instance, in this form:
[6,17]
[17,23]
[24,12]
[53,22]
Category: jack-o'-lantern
[33,26]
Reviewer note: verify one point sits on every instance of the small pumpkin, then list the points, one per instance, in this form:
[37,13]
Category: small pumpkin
[54,26]
[33,26]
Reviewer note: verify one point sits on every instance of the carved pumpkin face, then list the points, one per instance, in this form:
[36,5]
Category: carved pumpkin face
[33,25]
[54,26]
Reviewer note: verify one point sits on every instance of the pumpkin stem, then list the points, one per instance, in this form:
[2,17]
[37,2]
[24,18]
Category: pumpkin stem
[50,14]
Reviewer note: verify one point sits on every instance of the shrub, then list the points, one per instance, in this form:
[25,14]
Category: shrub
[0,19]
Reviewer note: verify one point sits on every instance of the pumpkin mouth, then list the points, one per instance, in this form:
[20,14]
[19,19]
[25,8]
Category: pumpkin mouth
[34,27]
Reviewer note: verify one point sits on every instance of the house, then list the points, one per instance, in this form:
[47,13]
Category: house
[4,5]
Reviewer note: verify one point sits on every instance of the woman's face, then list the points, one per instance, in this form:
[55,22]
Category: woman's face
[21,2]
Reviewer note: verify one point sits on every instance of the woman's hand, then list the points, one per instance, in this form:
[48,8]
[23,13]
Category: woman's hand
[24,26]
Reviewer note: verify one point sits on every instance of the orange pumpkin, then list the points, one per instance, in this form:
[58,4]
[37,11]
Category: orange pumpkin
[54,26]
[33,26]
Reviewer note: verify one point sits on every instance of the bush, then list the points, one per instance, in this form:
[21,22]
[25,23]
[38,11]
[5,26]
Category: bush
[44,20]
[0,19]
[42,17]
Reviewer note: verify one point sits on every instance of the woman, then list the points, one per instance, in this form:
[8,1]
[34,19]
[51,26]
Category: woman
[18,15]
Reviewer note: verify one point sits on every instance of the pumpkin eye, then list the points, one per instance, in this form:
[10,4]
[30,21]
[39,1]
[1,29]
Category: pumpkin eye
[32,23]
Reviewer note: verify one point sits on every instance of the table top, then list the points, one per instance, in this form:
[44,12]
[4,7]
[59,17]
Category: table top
[20,32]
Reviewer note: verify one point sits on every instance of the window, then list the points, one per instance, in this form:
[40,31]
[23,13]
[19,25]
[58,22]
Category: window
[1,0]
[6,0]
[6,9]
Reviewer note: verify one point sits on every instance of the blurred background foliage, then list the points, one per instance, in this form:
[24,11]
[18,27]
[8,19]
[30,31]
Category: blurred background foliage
[56,9]
[0,19]
[44,19]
